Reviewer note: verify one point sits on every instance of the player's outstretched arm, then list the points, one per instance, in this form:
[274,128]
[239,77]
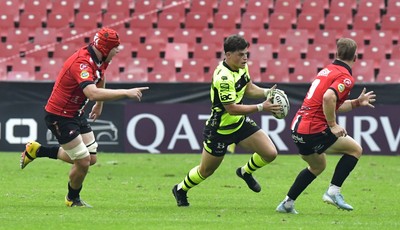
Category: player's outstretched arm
[100,94]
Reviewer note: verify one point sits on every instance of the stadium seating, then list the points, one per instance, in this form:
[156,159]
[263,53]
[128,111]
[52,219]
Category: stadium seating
[277,71]
[56,28]
[304,71]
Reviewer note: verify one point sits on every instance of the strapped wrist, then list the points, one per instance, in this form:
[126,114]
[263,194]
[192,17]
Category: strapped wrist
[260,107]
[355,103]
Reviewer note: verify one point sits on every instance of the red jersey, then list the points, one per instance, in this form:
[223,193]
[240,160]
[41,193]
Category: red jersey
[67,98]
[310,118]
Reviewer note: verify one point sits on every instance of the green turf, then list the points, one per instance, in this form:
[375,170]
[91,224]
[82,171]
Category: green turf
[133,191]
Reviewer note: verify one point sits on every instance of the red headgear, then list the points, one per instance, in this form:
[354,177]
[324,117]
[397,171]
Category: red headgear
[105,40]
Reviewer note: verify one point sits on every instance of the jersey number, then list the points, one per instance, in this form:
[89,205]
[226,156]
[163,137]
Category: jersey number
[314,85]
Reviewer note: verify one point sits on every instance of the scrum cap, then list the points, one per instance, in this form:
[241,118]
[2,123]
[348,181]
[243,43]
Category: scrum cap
[105,40]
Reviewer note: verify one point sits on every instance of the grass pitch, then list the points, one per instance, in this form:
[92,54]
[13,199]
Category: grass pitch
[133,191]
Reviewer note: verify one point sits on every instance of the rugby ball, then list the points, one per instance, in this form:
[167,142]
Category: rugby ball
[280,98]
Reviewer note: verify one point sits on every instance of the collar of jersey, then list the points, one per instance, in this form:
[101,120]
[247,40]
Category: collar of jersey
[93,55]
[227,66]
[338,62]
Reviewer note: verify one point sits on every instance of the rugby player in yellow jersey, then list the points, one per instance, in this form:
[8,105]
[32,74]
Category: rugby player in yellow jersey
[229,123]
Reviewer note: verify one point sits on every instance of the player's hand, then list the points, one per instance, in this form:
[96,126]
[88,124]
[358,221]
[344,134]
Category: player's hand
[366,99]
[268,106]
[338,131]
[96,111]
[136,93]
[270,92]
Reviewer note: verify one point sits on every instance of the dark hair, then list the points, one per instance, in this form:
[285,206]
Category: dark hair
[234,43]
[346,49]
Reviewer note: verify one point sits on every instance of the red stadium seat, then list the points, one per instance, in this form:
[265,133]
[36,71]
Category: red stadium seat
[253,21]
[393,7]
[261,52]
[23,64]
[164,65]
[281,21]
[187,36]
[366,22]
[170,21]
[345,7]
[376,53]
[9,49]
[176,52]
[233,8]
[364,71]
[161,76]
[131,36]
[10,7]
[317,7]
[123,7]
[126,50]
[389,73]
[392,23]
[215,36]
[310,22]
[277,71]
[328,38]
[262,7]
[193,65]
[136,70]
[149,51]
[39,7]
[297,37]
[65,50]
[207,52]
[287,7]
[320,53]
[291,53]
[87,20]
[92,6]
[197,21]
[175,6]
[8,21]
[20,76]
[20,35]
[385,38]
[116,21]
[66,6]
[45,36]
[205,7]
[189,77]
[272,37]
[59,20]
[32,20]
[370,7]
[337,22]
[255,70]
[159,36]
[304,71]
[226,21]
[49,69]
[148,6]
[395,52]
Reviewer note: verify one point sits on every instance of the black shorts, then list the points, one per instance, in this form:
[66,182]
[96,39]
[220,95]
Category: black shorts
[65,129]
[314,143]
[216,144]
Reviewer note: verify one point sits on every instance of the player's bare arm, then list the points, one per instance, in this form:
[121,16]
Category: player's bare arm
[365,99]
[329,108]
[99,94]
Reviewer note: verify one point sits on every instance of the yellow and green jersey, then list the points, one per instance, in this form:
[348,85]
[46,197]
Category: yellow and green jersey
[228,86]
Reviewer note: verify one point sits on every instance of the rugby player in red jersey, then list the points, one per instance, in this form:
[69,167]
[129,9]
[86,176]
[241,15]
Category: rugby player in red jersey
[80,80]
[316,133]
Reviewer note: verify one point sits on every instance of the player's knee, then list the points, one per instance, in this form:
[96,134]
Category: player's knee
[78,152]
[92,148]
[93,159]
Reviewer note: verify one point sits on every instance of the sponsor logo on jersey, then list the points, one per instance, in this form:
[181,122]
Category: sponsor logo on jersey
[83,66]
[341,87]
[347,82]
[325,72]
[85,74]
